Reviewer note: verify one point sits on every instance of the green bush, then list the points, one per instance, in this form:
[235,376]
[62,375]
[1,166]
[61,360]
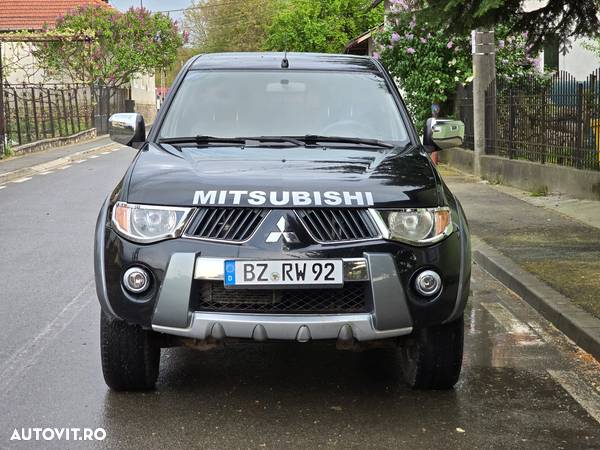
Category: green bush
[429,64]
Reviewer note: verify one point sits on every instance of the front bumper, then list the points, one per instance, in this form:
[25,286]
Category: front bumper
[390,316]
[179,264]
[262,327]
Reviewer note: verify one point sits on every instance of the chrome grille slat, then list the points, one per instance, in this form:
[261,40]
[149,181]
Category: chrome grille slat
[359,225]
[315,227]
[252,224]
[236,225]
[338,225]
[207,222]
[334,236]
[349,227]
[368,223]
[225,223]
[215,222]
[224,230]
[233,231]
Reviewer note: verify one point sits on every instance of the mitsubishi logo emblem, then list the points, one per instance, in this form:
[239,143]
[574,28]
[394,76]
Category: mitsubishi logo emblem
[288,236]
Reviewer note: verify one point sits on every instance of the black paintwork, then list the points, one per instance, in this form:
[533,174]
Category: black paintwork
[162,174]
[269,61]
[119,254]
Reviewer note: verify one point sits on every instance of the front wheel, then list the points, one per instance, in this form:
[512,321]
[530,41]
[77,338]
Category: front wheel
[130,355]
[432,357]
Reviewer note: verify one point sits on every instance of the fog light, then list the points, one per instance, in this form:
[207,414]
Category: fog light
[428,283]
[136,280]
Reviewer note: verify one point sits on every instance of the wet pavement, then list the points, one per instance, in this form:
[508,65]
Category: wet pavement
[558,249]
[523,383]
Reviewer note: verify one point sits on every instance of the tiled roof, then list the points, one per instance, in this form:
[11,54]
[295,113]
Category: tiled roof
[33,14]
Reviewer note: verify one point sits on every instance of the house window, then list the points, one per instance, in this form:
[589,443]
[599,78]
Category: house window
[551,53]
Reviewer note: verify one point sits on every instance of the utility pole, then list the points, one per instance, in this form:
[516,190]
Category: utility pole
[484,71]
[2,118]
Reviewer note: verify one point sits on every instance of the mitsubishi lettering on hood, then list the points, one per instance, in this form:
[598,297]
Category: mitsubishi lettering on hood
[282,198]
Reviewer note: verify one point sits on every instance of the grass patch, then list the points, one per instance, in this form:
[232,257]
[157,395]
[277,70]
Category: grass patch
[542,191]
[8,151]
[574,278]
[446,171]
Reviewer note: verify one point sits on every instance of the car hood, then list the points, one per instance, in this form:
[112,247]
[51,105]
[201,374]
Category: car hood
[283,177]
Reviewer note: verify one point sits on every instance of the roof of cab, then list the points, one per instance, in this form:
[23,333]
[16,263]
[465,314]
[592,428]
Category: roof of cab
[272,60]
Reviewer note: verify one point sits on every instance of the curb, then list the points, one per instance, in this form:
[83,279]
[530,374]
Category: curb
[52,143]
[33,170]
[578,325]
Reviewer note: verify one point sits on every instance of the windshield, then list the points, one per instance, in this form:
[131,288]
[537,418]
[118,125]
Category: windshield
[284,103]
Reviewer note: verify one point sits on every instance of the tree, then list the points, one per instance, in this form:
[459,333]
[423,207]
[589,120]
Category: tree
[556,19]
[119,45]
[170,73]
[218,26]
[593,45]
[320,25]
[430,64]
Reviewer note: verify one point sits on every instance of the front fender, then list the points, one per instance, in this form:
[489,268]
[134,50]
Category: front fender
[102,224]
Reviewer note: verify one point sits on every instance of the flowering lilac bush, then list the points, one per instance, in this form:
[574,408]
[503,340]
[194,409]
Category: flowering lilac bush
[108,46]
[429,64]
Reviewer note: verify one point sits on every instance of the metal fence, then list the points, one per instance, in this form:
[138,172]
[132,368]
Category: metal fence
[36,112]
[463,105]
[107,101]
[554,121]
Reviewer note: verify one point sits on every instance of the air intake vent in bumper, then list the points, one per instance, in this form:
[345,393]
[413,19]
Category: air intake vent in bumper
[213,296]
[226,224]
[338,225]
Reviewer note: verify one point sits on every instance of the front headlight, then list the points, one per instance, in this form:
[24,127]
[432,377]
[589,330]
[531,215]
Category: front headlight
[419,226]
[145,223]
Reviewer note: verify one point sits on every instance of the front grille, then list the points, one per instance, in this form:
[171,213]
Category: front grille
[212,296]
[226,224]
[336,225]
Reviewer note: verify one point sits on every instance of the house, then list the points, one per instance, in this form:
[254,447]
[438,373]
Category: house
[34,15]
[571,57]
[365,43]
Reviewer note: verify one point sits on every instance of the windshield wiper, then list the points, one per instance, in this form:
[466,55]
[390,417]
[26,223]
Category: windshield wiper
[276,139]
[309,139]
[313,139]
[202,140]
[205,140]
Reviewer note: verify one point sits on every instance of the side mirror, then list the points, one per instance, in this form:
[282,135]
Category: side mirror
[127,128]
[441,134]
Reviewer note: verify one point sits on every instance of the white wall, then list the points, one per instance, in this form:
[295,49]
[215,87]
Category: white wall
[143,89]
[20,65]
[579,62]
[143,92]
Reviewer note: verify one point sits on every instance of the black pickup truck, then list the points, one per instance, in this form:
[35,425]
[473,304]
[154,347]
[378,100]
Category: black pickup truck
[282,197]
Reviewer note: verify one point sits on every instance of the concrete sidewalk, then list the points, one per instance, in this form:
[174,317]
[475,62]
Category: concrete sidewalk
[20,166]
[537,234]
[555,239]
[33,159]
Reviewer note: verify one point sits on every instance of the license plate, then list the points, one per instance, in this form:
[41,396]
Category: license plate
[318,272]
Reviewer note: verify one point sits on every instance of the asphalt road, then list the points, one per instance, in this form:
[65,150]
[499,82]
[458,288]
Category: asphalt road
[523,384]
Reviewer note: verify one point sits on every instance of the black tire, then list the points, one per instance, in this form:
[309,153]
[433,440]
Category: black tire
[432,357]
[130,355]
